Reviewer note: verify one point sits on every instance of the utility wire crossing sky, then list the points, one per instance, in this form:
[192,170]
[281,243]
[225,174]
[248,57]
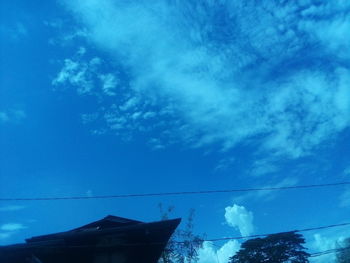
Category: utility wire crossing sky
[128,100]
[174,193]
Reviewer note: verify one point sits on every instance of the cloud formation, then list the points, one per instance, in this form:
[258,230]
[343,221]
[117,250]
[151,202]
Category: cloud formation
[12,227]
[78,74]
[208,254]
[276,73]
[344,199]
[5,235]
[11,208]
[14,32]
[239,217]
[9,229]
[267,195]
[12,116]
[323,243]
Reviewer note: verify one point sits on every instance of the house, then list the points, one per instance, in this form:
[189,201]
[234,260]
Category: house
[109,240]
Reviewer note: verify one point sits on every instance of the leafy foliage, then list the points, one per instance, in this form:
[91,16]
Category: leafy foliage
[276,248]
[184,251]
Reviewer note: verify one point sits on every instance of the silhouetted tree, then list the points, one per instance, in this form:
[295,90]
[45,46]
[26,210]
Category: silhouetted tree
[185,252]
[343,255]
[276,248]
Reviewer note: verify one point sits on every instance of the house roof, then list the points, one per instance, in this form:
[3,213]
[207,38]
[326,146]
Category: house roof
[107,222]
[130,240]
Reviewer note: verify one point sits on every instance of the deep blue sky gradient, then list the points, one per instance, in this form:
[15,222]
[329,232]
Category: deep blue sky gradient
[46,149]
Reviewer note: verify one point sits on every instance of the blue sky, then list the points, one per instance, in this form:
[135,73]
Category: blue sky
[109,97]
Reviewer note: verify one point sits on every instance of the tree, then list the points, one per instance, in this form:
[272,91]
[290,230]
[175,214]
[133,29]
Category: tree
[184,251]
[276,248]
[343,254]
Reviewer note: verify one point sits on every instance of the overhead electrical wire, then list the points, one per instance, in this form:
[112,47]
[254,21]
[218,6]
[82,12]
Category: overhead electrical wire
[315,254]
[262,235]
[255,236]
[329,251]
[57,198]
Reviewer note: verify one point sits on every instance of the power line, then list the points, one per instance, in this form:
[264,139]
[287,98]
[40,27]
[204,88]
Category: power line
[262,235]
[316,254]
[173,193]
[253,236]
[329,251]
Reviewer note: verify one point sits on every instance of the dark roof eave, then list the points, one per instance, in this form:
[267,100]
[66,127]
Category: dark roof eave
[94,232]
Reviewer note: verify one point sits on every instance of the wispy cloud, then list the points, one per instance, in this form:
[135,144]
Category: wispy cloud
[12,227]
[344,200]
[110,83]
[11,208]
[4,117]
[263,167]
[267,195]
[275,73]
[5,235]
[118,110]
[9,229]
[225,164]
[324,241]
[12,116]
[15,31]
[89,193]
[347,171]
[78,74]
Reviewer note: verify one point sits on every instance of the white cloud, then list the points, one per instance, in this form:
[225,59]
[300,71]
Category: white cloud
[208,253]
[225,164]
[233,71]
[347,171]
[77,74]
[83,73]
[109,84]
[156,144]
[330,32]
[11,208]
[266,195]
[18,114]
[4,117]
[239,217]
[89,193]
[15,31]
[88,118]
[12,116]
[5,235]
[228,250]
[322,243]
[9,229]
[326,240]
[12,227]
[345,198]
[263,167]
